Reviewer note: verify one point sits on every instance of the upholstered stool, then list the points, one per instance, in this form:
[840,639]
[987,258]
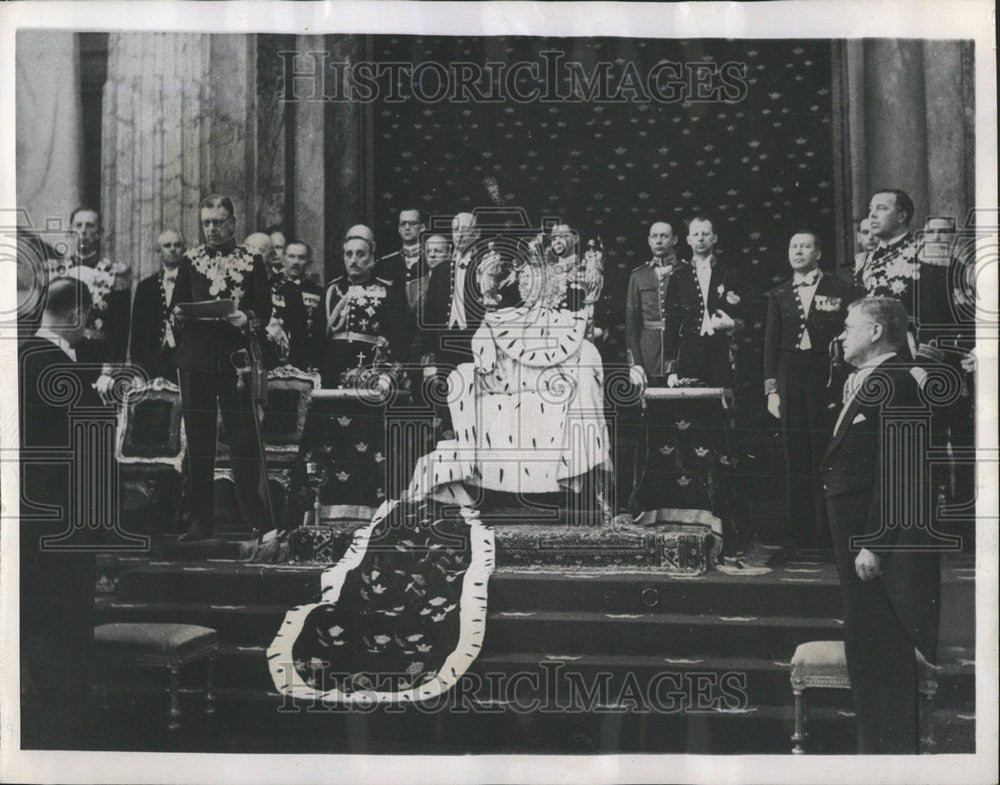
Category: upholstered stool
[823,664]
[169,646]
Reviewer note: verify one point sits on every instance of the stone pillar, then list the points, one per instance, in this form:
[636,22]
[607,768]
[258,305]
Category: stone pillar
[905,117]
[948,186]
[349,157]
[232,138]
[895,132]
[308,173]
[180,121]
[156,156]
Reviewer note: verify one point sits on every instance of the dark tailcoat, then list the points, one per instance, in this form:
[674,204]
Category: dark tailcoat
[451,345]
[148,342]
[289,310]
[885,618]
[307,350]
[57,587]
[704,357]
[807,404]
[208,378]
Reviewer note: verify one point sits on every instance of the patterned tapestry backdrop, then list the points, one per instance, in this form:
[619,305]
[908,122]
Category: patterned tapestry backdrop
[761,167]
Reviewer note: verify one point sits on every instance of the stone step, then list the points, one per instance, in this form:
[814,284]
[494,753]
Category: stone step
[262,721]
[667,680]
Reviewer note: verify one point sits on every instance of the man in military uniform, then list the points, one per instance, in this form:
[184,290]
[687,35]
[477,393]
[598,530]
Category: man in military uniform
[207,355]
[287,324]
[110,290]
[705,301]
[364,314]
[152,339]
[804,315]
[645,310]
[406,268]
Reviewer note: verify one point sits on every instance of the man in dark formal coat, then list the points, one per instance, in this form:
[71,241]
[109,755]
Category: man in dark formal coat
[152,340]
[307,344]
[804,315]
[109,284]
[889,574]
[453,308]
[407,264]
[365,315]
[57,586]
[219,270]
[705,301]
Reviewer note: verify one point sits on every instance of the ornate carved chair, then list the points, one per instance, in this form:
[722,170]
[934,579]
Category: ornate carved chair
[150,446]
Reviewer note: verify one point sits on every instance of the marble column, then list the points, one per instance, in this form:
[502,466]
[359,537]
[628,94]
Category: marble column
[156,155]
[905,121]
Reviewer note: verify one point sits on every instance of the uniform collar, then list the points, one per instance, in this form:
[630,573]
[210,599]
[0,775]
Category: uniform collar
[807,279]
[221,250]
[895,242]
[669,261]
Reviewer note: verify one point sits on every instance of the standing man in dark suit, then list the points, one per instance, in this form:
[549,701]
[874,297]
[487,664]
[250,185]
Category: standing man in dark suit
[804,315]
[706,304]
[889,575]
[306,351]
[152,340]
[57,586]
[219,270]
[453,307]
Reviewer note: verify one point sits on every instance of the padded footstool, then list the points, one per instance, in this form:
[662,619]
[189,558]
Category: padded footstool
[823,664]
[169,646]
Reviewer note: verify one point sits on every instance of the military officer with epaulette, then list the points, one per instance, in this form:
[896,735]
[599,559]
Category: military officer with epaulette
[364,314]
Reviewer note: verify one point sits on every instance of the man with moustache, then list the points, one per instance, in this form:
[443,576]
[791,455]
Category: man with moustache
[207,354]
[152,341]
[365,315]
[804,315]
[306,348]
[889,573]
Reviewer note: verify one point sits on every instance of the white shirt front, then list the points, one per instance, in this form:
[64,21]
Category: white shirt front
[703,269]
[806,292]
[457,318]
[58,340]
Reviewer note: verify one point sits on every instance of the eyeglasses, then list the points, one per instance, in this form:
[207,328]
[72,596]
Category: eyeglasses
[214,223]
[857,325]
